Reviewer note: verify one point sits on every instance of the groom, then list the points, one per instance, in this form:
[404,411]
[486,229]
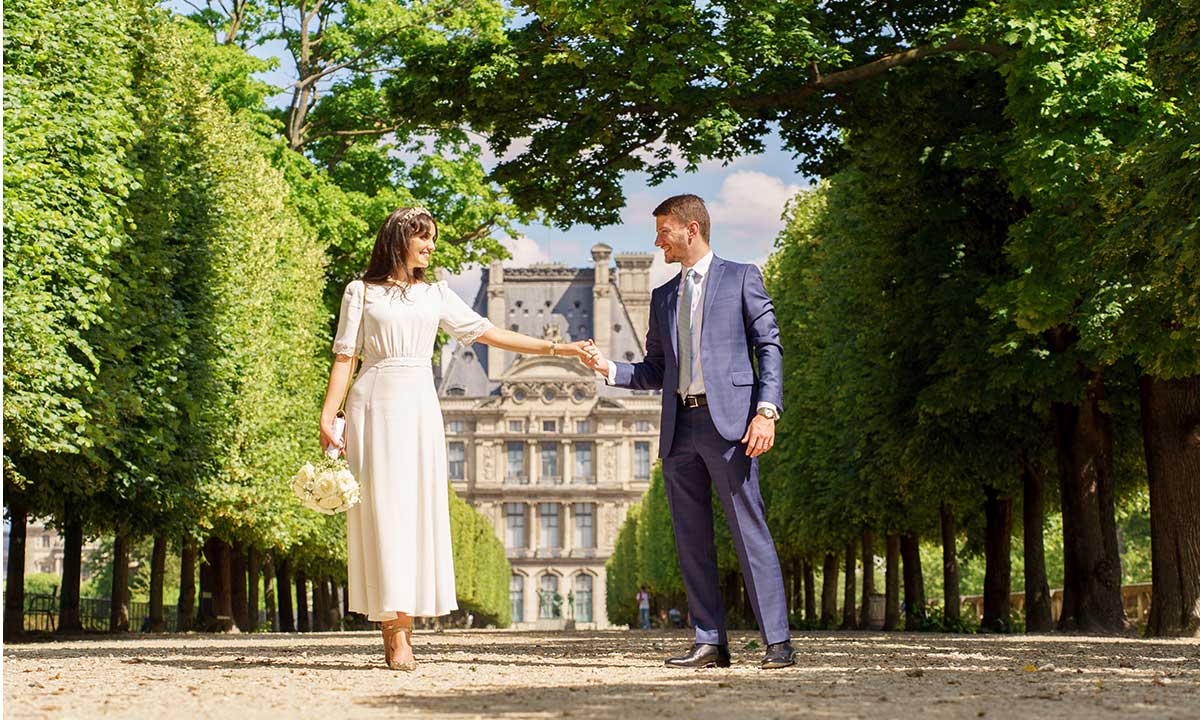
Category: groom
[717,418]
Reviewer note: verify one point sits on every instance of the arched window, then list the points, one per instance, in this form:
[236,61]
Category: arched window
[516,597]
[583,598]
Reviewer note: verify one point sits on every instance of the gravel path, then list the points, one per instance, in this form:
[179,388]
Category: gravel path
[490,674]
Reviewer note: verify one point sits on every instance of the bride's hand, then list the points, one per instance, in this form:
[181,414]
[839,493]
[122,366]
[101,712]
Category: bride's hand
[327,438]
[577,349]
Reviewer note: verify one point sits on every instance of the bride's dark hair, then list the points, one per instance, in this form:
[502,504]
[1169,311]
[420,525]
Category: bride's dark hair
[388,259]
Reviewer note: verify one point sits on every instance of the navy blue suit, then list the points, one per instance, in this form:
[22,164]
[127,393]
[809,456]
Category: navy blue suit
[701,447]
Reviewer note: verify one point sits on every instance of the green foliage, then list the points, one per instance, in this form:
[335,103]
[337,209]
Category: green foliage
[42,583]
[621,572]
[69,128]
[481,568]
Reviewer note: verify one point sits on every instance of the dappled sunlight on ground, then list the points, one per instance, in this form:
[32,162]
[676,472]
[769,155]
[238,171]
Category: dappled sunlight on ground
[485,674]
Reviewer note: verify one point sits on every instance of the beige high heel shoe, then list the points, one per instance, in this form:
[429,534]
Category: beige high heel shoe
[391,628]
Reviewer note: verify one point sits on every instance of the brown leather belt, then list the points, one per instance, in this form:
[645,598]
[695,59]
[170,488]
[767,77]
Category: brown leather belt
[695,401]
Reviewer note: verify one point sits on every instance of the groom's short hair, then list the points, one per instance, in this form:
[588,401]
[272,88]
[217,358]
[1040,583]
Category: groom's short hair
[687,208]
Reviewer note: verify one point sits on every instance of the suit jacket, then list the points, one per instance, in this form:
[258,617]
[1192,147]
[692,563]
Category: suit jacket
[738,322]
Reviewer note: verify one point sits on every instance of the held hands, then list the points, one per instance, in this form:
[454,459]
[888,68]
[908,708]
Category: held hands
[760,436]
[587,353]
[594,359]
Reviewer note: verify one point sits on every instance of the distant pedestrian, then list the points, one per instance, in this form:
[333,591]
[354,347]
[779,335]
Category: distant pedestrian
[643,601]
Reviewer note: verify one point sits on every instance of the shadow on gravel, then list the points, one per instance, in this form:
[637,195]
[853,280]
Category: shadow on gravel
[633,700]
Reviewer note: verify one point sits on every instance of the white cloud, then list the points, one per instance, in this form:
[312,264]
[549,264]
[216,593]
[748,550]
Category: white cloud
[524,250]
[747,212]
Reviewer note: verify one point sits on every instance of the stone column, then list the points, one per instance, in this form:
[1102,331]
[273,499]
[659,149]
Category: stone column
[602,299]
[497,312]
[531,459]
[599,601]
[567,527]
[531,599]
[568,469]
[535,527]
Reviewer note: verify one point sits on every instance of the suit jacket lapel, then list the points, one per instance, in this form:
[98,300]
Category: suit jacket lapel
[715,270]
[671,298]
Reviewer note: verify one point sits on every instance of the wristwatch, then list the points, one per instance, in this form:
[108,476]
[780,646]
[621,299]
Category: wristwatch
[768,413]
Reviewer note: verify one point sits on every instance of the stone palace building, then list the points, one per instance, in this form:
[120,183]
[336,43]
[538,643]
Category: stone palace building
[544,447]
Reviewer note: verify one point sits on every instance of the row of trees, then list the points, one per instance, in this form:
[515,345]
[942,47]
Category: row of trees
[165,342]
[991,304]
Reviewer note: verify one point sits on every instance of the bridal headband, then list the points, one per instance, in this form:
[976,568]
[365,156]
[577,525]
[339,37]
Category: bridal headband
[413,212]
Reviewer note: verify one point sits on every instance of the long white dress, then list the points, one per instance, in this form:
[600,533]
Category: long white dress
[400,556]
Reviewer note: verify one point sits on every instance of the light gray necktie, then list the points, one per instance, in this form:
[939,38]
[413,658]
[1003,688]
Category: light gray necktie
[685,333]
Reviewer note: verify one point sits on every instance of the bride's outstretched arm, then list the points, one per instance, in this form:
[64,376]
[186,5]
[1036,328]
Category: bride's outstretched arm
[339,380]
[527,345]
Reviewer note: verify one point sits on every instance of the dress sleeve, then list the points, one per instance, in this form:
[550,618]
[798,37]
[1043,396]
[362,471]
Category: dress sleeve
[457,318]
[349,340]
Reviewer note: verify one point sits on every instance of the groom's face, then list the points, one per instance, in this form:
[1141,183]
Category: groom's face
[672,237]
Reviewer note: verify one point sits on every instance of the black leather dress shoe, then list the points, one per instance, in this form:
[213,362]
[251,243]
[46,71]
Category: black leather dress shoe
[779,655]
[702,656]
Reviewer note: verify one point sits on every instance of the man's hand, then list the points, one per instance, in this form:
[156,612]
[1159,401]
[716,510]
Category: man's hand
[595,359]
[760,436]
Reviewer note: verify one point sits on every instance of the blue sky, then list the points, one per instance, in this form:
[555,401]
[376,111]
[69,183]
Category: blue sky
[745,200]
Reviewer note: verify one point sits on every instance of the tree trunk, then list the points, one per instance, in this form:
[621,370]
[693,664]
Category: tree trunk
[1171,440]
[283,572]
[868,585]
[849,616]
[810,593]
[997,552]
[1038,615]
[252,571]
[187,584]
[269,591]
[829,577]
[158,566]
[206,615]
[320,604]
[1091,561]
[951,599]
[914,582]
[218,554]
[346,600]
[302,623]
[891,584]
[14,594]
[118,607]
[69,620]
[238,602]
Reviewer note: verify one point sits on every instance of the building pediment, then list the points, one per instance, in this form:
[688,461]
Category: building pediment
[548,378]
[547,368]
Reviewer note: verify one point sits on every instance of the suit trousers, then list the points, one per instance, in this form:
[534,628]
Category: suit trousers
[700,461]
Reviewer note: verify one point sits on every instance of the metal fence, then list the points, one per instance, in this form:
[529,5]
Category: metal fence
[41,613]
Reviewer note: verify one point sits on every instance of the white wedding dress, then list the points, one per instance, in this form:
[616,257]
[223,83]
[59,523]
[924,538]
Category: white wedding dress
[398,535]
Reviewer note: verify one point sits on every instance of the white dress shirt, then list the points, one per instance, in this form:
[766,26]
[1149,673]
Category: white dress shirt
[696,387]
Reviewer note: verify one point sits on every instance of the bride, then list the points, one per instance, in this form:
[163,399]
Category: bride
[400,559]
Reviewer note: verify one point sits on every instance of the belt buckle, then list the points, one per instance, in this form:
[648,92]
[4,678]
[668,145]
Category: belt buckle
[691,401]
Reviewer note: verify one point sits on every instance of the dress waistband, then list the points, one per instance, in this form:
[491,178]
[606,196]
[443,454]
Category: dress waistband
[397,361]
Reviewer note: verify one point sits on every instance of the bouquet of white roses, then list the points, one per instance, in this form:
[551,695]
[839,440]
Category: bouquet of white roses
[327,486]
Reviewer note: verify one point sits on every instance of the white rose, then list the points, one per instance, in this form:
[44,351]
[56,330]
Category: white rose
[326,485]
[307,471]
[330,502]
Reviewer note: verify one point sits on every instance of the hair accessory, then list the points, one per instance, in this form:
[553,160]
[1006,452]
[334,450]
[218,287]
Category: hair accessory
[413,212]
